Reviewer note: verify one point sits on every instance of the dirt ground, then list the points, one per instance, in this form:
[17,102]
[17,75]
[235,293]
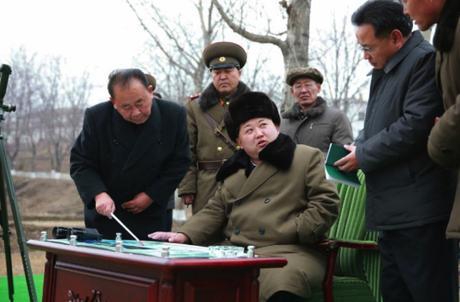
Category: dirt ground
[48,197]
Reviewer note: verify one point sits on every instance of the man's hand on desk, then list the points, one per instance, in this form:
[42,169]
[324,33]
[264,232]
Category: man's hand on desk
[104,204]
[138,204]
[169,236]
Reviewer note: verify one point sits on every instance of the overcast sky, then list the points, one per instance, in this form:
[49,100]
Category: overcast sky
[100,35]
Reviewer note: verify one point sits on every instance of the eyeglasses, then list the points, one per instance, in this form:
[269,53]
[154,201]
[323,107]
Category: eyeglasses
[367,49]
[300,85]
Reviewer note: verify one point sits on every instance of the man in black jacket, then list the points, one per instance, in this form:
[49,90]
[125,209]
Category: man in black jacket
[408,196]
[130,156]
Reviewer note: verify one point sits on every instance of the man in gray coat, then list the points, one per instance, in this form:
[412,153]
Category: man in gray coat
[409,197]
[310,121]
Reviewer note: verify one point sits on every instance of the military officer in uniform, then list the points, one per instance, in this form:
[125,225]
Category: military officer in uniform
[272,194]
[209,141]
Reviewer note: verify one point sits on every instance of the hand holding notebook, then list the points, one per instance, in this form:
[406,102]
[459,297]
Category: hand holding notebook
[333,173]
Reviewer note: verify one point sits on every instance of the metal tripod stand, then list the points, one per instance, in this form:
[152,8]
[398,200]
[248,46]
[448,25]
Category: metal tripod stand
[6,181]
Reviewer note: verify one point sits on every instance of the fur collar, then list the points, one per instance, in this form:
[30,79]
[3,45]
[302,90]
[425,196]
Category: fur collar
[295,113]
[279,153]
[210,97]
[445,30]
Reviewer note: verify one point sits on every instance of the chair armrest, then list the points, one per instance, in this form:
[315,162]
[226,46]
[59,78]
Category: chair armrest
[334,244]
[331,247]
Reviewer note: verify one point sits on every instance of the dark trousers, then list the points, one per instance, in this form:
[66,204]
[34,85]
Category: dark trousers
[168,220]
[419,265]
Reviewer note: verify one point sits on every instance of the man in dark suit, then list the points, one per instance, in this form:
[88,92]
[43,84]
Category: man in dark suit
[130,156]
[409,197]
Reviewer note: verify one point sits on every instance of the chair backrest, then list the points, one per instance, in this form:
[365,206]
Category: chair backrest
[350,225]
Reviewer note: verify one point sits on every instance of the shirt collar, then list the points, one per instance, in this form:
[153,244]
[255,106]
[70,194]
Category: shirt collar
[414,40]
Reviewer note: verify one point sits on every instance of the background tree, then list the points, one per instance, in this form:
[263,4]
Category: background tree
[52,101]
[49,111]
[76,93]
[338,56]
[293,40]
[22,92]
[176,50]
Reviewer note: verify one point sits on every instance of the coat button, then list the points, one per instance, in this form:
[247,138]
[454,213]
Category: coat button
[219,149]
[267,200]
[236,231]
[262,231]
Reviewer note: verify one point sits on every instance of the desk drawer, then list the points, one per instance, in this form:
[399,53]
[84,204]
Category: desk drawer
[76,285]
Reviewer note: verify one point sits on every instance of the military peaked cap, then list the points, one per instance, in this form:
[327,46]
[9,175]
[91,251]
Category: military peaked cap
[303,72]
[221,55]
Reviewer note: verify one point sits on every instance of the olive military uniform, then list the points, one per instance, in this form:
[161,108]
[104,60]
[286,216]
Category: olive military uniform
[209,142]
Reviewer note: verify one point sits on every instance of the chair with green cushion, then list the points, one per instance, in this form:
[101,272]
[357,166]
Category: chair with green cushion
[353,268]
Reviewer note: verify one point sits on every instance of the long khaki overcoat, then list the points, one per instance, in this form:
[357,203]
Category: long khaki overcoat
[281,213]
[205,144]
[444,140]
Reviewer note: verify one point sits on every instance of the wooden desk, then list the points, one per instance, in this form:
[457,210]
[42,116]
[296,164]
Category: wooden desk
[86,274]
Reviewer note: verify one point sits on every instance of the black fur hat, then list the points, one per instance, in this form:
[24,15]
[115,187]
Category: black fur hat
[247,106]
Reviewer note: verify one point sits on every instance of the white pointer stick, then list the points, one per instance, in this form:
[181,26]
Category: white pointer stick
[126,228]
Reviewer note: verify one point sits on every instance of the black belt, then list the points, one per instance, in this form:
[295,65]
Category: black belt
[212,165]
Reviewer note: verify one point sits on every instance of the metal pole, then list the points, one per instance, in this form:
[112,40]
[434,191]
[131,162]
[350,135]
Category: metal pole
[6,180]
[17,221]
[6,238]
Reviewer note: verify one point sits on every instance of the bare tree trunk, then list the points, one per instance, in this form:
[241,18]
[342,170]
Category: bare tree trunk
[294,46]
[33,159]
[298,34]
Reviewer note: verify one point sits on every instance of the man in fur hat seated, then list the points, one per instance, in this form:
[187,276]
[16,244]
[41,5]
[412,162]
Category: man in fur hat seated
[272,194]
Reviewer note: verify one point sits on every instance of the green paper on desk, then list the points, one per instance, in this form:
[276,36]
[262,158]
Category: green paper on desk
[333,173]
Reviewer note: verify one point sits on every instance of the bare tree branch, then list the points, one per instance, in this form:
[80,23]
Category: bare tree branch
[157,40]
[245,33]
[294,46]
[338,56]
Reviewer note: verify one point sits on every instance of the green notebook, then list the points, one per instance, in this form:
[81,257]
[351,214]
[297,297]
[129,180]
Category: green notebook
[335,153]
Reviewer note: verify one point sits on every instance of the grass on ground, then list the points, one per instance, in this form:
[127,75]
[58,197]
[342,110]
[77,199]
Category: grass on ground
[21,293]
